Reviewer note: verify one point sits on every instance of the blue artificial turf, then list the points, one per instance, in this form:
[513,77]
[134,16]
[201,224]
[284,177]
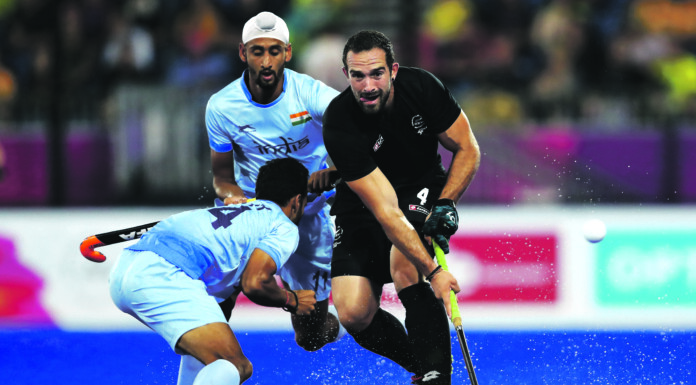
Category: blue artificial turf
[501,357]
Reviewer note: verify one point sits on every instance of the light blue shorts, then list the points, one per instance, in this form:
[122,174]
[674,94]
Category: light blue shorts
[310,267]
[161,295]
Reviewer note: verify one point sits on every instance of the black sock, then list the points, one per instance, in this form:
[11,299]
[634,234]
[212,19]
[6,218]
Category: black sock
[428,330]
[387,337]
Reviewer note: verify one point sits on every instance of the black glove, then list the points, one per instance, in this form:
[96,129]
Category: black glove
[443,222]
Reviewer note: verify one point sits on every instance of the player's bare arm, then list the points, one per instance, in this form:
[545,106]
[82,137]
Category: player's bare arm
[466,156]
[443,220]
[379,196]
[259,285]
[226,187]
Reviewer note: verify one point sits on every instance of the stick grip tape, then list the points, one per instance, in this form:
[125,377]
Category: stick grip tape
[442,261]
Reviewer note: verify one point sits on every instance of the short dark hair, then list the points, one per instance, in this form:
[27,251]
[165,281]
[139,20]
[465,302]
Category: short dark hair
[281,179]
[367,40]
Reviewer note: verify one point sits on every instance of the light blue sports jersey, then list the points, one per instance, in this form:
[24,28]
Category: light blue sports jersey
[291,126]
[214,244]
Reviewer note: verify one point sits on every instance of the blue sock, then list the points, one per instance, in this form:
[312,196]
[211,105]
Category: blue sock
[220,372]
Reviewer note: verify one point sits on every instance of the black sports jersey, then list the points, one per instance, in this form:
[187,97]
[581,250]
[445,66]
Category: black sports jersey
[402,142]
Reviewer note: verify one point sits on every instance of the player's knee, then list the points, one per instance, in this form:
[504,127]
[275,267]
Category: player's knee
[222,372]
[404,278]
[245,369]
[241,362]
[354,318]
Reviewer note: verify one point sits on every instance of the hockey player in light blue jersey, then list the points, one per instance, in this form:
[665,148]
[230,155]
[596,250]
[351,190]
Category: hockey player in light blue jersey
[273,112]
[173,278]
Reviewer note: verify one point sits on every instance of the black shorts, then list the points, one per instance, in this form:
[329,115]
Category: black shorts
[362,248]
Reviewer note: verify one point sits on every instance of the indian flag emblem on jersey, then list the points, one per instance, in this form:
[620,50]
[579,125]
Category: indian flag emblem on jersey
[300,118]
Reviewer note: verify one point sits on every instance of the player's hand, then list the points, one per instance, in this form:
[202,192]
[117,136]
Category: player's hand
[322,180]
[235,200]
[442,222]
[306,301]
[442,283]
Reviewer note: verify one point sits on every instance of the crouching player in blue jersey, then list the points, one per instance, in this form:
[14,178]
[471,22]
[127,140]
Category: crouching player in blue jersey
[173,278]
[273,112]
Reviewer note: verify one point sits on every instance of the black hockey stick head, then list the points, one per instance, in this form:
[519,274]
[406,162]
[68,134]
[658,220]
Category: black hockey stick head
[89,244]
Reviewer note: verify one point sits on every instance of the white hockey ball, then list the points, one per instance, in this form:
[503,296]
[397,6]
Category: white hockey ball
[594,230]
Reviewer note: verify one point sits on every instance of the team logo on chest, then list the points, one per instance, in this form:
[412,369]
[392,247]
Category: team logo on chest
[418,123]
[378,143]
[300,118]
[288,146]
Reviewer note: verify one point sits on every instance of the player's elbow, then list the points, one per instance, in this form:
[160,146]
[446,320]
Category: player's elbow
[475,151]
[474,158]
[257,296]
[254,287]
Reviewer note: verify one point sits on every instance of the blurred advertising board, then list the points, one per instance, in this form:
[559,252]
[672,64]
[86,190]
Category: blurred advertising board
[518,267]
[510,267]
[647,268]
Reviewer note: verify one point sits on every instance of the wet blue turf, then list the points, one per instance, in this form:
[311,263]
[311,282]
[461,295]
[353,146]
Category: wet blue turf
[541,357]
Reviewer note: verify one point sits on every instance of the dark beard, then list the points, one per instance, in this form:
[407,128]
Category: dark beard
[375,109]
[268,86]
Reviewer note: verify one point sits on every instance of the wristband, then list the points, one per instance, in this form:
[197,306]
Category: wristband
[288,308]
[445,202]
[432,273]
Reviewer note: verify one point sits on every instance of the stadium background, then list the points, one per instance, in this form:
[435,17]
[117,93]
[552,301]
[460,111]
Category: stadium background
[582,109]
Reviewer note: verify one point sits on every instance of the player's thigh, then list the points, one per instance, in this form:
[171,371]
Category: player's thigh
[415,201]
[356,299]
[309,268]
[162,296]
[361,248]
[403,271]
[301,273]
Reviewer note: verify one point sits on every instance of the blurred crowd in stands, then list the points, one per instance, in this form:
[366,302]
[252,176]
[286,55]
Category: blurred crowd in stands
[594,63]
[612,64]
[94,45]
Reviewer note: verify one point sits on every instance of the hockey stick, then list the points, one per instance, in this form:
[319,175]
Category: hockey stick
[457,319]
[90,243]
